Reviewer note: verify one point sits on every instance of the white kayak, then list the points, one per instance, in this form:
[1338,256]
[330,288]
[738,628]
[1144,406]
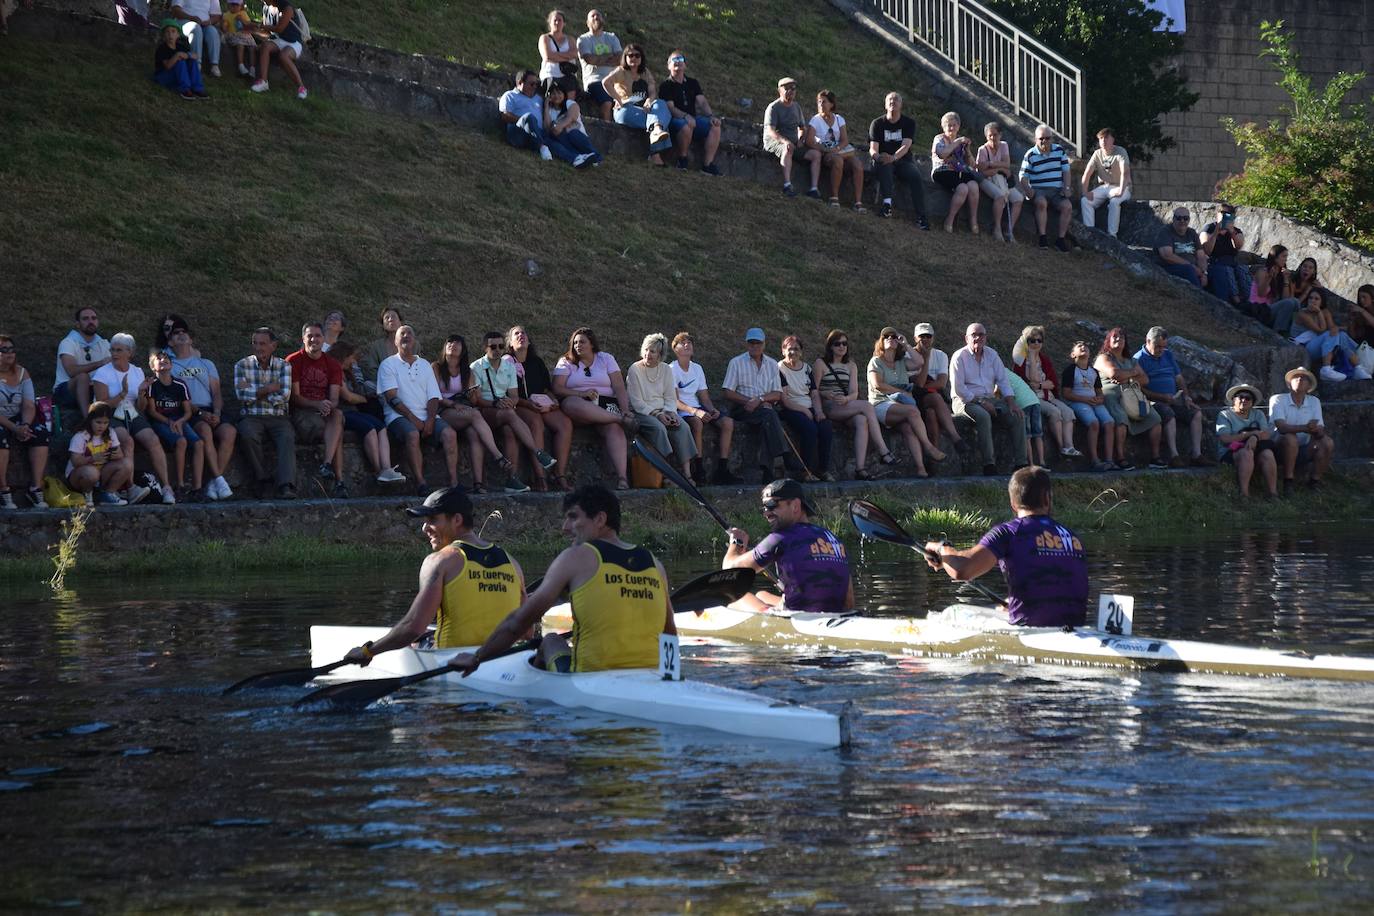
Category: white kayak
[637,693]
[983,632]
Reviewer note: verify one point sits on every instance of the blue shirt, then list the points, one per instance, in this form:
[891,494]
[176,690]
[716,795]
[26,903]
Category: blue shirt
[516,103]
[1045,170]
[1162,369]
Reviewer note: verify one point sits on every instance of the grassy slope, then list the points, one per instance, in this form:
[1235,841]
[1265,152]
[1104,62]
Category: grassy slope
[252,209]
[815,44]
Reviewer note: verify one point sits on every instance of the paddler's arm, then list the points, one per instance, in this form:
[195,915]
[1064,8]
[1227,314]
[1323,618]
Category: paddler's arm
[737,554]
[437,569]
[961,565]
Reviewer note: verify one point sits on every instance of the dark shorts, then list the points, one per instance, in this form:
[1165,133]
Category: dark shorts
[134,426]
[309,425]
[171,437]
[228,416]
[1264,445]
[1052,196]
[8,440]
[595,92]
[362,423]
[949,179]
[401,428]
[700,128]
[1169,410]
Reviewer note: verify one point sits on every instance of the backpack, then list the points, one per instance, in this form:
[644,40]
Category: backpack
[270,15]
[302,25]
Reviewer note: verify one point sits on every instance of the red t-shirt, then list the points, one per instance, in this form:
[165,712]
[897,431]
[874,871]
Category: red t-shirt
[314,376]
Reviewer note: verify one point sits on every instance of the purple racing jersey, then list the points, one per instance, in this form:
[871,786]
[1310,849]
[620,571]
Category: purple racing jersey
[1047,577]
[811,565]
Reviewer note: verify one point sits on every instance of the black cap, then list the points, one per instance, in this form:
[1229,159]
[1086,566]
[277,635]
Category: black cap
[444,501]
[787,488]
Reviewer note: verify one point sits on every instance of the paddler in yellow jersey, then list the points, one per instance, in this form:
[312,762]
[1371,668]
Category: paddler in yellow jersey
[468,585]
[619,596]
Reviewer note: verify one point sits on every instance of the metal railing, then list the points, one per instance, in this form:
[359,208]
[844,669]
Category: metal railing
[1039,83]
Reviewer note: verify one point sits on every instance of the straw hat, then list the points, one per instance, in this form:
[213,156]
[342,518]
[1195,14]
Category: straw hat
[1305,373]
[1237,389]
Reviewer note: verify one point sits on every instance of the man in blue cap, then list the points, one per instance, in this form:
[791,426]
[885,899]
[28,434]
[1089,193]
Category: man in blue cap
[753,389]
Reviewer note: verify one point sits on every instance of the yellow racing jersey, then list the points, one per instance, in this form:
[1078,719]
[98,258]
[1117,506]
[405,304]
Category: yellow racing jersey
[478,598]
[619,612]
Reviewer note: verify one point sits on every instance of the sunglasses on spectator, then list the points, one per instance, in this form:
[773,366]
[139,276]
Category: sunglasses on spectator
[677,60]
[889,337]
[1181,219]
[1031,340]
[6,349]
[497,345]
[925,336]
[841,343]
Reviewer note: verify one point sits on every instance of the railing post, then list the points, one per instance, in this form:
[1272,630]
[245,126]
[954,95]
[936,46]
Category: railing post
[1082,114]
[911,21]
[1016,70]
[954,51]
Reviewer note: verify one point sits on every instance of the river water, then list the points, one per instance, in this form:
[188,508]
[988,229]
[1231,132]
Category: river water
[128,784]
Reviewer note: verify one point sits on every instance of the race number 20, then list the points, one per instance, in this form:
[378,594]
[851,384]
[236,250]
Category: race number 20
[1115,613]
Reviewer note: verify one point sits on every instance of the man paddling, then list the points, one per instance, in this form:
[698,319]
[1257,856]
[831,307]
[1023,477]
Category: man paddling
[468,583]
[1047,577]
[812,567]
[618,592]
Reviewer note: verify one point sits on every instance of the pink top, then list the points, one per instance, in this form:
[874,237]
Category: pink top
[1257,296]
[582,378]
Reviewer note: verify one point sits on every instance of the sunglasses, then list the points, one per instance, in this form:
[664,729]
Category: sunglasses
[677,60]
[841,343]
[1181,219]
[926,336]
[769,505]
[889,337]
[587,371]
[496,345]
[6,349]
[1031,340]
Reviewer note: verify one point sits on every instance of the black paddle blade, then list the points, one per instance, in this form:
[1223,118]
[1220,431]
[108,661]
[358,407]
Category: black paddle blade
[712,590]
[672,474]
[873,522]
[358,694]
[292,677]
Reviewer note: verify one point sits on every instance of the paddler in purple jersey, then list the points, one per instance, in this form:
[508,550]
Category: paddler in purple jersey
[1047,577]
[810,561]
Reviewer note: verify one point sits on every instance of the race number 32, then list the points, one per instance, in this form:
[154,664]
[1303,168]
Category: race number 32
[669,658]
[1115,614]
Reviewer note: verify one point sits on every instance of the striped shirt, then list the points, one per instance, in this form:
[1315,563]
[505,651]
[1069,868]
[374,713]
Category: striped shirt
[1045,170]
[750,380]
[249,376]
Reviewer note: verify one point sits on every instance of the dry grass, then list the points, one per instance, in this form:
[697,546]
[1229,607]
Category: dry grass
[252,209]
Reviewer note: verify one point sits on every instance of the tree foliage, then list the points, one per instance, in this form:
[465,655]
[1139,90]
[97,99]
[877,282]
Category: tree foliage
[1128,66]
[1319,167]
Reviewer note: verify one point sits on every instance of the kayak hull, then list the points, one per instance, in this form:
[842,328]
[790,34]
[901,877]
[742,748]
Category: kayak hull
[974,631]
[638,693]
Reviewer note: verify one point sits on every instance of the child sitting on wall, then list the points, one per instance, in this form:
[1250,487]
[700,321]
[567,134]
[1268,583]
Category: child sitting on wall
[237,27]
[174,66]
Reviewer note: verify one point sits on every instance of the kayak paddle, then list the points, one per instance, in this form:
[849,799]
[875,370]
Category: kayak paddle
[290,677]
[713,589]
[873,522]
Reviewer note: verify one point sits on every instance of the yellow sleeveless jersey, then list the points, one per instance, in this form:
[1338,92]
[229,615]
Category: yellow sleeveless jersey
[478,598]
[618,613]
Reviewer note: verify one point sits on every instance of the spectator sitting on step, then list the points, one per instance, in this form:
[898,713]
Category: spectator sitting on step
[951,167]
[281,37]
[238,28]
[497,394]
[166,326]
[380,349]
[827,131]
[993,161]
[599,52]
[211,421]
[535,402]
[368,427]
[637,105]
[522,112]
[890,393]
[564,129]
[557,57]
[125,387]
[784,130]
[316,379]
[1302,436]
[199,21]
[838,381]
[1045,182]
[983,395]
[410,399]
[457,408]
[1326,341]
[1081,385]
[889,147]
[21,426]
[1223,240]
[1120,371]
[1304,279]
[801,410]
[1106,179]
[169,410]
[80,353]
[653,396]
[1168,392]
[333,324]
[1029,362]
[753,388]
[931,386]
[262,382]
[1362,316]
[174,65]
[691,115]
[695,407]
[1271,292]
[1180,250]
[592,391]
[1245,439]
[95,461]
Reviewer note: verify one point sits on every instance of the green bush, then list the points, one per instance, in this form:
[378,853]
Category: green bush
[1319,167]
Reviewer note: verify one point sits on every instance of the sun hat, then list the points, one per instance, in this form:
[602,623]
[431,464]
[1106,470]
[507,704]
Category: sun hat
[1305,373]
[1237,389]
[786,81]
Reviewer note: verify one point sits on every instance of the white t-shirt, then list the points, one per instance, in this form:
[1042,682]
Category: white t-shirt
[112,379]
[937,364]
[199,9]
[826,135]
[1282,409]
[689,382]
[83,351]
[415,385]
[83,444]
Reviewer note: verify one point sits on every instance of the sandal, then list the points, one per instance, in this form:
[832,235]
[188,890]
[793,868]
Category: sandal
[937,456]
[622,484]
[890,459]
[863,474]
[478,488]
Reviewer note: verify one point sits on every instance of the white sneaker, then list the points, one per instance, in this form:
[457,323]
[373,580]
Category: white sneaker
[7,500]
[253,70]
[222,490]
[243,71]
[90,500]
[1331,375]
[168,497]
[214,70]
[390,475]
[134,494]
[1069,451]
[581,160]
[259,86]
[545,154]
[1361,373]
[301,93]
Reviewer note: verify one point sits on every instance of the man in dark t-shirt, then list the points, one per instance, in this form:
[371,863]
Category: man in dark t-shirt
[1223,240]
[692,118]
[1047,575]
[890,141]
[1180,250]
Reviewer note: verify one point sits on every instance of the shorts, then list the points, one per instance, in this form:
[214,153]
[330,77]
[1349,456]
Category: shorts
[362,423]
[228,416]
[1088,414]
[881,409]
[8,441]
[283,46]
[1229,457]
[171,437]
[775,147]
[700,129]
[1035,421]
[401,428]
[1169,410]
[950,179]
[134,426]
[1052,196]
[597,93]
[309,425]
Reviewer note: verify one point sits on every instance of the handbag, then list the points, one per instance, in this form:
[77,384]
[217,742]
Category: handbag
[1364,357]
[1133,401]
